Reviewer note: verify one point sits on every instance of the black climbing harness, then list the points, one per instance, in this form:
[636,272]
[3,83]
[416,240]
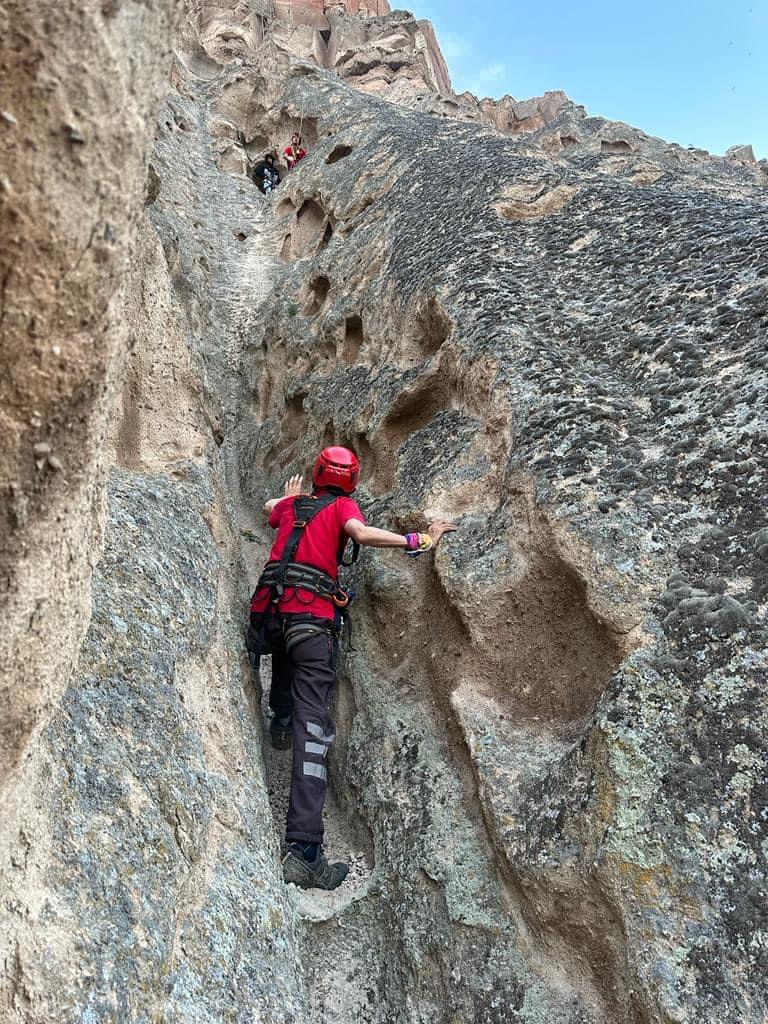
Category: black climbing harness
[290,574]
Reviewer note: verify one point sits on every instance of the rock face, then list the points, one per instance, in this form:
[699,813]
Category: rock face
[71,195]
[741,154]
[376,50]
[551,759]
[537,355]
[381,55]
[315,12]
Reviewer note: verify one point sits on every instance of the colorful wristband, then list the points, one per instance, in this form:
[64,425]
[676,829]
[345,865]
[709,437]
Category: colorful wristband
[418,543]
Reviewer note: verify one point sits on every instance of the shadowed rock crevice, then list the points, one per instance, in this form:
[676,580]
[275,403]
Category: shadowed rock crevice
[412,410]
[311,230]
[354,339]
[431,329]
[338,153]
[318,290]
[327,234]
[293,426]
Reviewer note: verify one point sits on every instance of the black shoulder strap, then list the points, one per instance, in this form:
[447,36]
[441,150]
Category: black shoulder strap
[342,548]
[305,508]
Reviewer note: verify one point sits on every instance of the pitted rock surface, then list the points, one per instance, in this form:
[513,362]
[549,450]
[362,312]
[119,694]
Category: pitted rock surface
[551,768]
[543,357]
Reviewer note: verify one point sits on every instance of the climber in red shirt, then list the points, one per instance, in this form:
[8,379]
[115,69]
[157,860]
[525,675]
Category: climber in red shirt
[295,612]
[294,152]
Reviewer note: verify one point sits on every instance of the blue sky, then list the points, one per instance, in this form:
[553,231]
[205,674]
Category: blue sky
[690,71]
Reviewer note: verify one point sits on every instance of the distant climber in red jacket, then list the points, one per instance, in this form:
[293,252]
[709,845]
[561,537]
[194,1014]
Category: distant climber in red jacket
[294,152]
[295,612]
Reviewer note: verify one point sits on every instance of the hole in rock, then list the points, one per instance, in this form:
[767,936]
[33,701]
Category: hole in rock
[325,34]
[616,146]
[432,328]
[286,251]
[181,124]
[240,236]
[318,294]
[285,207]
[310,224]
[338,153]
[410,412]
[327,235]
[568,141]
[353,339]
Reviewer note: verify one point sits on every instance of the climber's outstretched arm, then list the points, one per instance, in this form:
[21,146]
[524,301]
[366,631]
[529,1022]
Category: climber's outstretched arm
[370,536]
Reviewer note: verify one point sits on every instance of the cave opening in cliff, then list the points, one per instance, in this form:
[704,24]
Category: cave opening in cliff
[338,153]
[318,290]
[310,224]
[431,329]
[353,339]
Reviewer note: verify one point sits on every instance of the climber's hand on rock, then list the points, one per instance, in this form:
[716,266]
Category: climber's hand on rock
[293,487]
[438,528]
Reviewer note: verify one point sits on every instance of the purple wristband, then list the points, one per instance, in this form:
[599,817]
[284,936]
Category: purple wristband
[412,541]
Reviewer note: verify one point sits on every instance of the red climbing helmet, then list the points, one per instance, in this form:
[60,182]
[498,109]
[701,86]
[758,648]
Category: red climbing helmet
[336,467]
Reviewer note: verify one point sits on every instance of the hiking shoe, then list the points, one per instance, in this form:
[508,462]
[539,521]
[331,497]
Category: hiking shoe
[281,732]
[317,874]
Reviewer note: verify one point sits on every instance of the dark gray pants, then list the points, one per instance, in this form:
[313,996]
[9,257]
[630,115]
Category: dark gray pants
[302,685]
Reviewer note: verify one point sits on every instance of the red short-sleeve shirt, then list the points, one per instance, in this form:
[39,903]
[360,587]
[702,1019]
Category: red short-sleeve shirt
[319,546]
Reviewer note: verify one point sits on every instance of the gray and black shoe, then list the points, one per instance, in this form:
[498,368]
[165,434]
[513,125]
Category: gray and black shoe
[281,732]
[317,874]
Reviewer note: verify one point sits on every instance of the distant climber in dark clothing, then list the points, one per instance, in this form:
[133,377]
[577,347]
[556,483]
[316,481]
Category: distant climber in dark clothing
[295,612]
[294,152]
[265,174]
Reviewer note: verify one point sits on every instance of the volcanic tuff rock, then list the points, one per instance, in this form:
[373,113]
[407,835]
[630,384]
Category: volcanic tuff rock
[316,12]
[71,187]
[375,52]
[551,736]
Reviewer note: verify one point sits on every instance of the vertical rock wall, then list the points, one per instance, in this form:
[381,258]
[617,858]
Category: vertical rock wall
[533,347]
[81,86]
[140,871]
[549,735]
